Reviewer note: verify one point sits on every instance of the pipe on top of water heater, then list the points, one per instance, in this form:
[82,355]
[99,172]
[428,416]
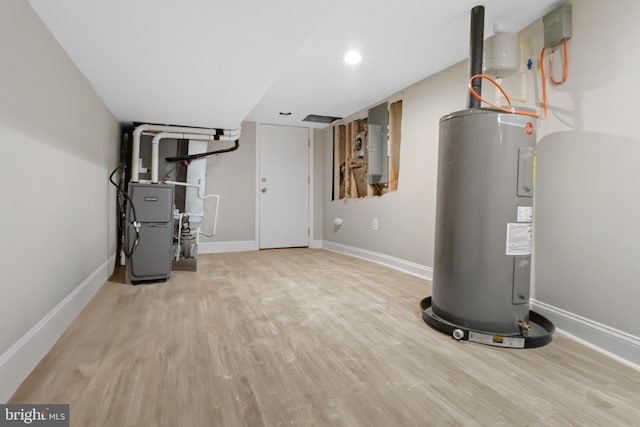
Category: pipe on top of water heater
[476,42]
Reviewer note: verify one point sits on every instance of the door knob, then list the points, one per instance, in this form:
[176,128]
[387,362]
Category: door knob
[264,190]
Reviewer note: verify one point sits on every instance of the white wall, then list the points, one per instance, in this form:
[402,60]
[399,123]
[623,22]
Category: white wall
[586,274]
[57,210]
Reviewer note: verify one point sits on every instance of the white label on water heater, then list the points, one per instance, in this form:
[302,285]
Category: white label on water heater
[525,214]
[497,340]
[519,238]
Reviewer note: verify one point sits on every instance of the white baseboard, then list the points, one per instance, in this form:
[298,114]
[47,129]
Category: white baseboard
[315,244]
[230,246]
[22,357]
[614,343]
[396,263]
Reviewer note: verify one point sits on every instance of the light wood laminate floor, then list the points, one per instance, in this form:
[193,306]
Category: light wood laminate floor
[303,337]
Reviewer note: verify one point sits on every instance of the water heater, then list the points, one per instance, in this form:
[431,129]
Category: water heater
[484,224]
[484,219]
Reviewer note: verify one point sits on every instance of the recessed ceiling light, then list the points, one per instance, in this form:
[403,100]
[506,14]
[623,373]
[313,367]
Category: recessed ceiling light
[285,113]
[352,57]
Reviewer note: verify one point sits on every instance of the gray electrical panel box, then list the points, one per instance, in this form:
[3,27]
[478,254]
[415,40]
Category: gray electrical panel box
[151,260]
[377,145]
[557,25]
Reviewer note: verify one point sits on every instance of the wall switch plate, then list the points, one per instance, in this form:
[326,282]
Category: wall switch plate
[374,224]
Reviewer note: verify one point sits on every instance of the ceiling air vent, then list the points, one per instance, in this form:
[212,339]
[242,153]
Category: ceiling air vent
[320,119]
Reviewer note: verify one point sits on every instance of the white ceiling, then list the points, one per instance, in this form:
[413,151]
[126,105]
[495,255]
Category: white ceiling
[215,63]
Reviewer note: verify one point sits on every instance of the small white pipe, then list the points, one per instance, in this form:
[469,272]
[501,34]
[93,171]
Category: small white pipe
[155,150]
[215,217]
[498,94]
[179,236]
[200,214]
[203,196]
[523,72]
[135,153]
[182,184]
[215,196]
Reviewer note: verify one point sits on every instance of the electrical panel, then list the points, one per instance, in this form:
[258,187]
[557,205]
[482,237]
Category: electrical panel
[557,25]
[377,145]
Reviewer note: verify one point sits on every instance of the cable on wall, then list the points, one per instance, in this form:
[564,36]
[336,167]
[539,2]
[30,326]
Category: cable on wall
[122,195]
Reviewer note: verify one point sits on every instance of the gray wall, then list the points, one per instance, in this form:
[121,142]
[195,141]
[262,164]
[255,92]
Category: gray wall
[587,194]
[587,227]
[233,177]
[587,197]
[59,143]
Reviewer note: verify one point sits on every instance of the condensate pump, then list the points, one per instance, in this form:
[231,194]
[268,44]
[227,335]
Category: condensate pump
[484,219]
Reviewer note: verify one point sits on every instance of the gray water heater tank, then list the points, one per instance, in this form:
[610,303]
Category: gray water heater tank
[484,220]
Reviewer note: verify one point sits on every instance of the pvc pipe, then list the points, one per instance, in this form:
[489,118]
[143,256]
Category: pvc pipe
[186,129]
[183,184]
[221,134]
[203,196]
[200,214]
[179,235]
[215,196]
[476,38]
[523,73]
[215,217]
[135,154]
[155,147]
[498,95]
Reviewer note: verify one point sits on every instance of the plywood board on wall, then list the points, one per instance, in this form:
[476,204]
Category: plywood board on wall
[395,124]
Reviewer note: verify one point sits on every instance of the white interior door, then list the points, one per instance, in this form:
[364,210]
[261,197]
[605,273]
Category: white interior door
[283,186]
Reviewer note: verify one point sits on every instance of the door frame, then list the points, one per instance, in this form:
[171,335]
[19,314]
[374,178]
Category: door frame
[310,182]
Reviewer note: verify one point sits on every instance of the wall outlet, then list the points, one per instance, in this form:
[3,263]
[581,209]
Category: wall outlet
[374,224]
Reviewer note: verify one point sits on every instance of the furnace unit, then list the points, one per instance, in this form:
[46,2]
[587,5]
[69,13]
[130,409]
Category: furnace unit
[151,260]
